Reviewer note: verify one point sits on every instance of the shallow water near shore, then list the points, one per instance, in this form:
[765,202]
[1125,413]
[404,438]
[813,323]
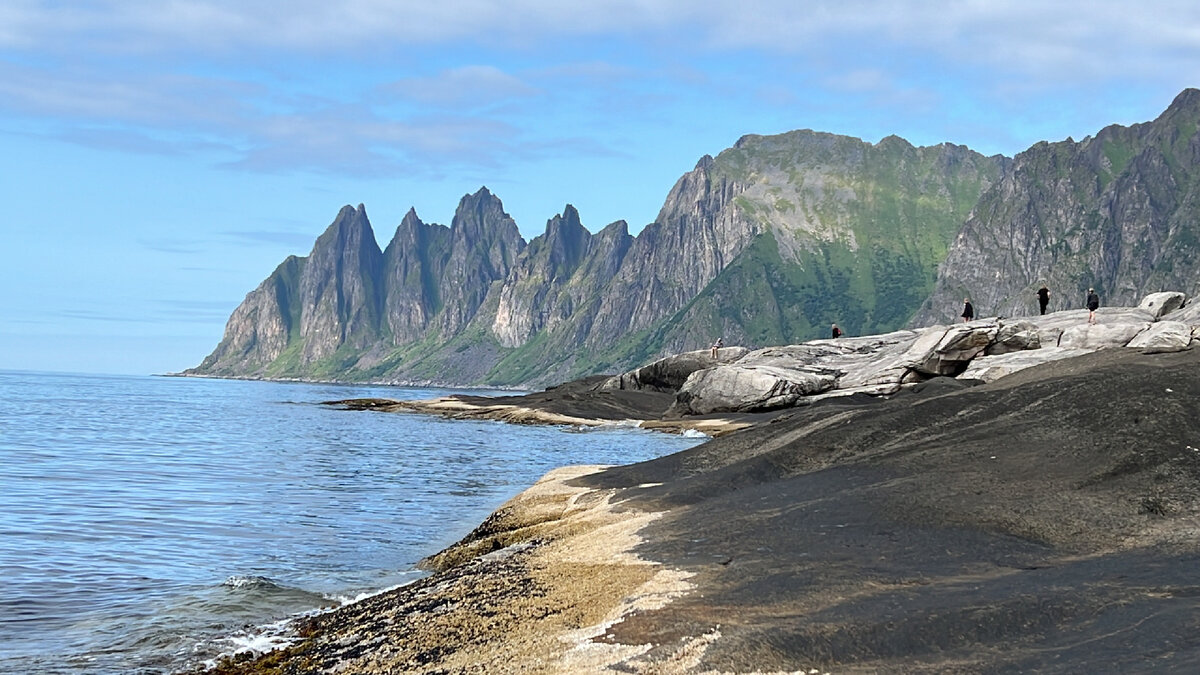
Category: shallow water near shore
[149,524]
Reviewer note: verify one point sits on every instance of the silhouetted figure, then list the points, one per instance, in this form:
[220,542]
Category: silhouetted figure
[1043,298]
[716,346]
[1093,303]
[968,310]
[837,332]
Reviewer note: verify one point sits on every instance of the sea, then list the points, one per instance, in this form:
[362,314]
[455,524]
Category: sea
[153,524]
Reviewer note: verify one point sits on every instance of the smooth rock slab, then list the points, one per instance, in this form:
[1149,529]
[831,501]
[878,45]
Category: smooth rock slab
[668,374]
[992,368]
[1163,337]
[1095,336]
[1190,314]
[1163,303]
[738,388]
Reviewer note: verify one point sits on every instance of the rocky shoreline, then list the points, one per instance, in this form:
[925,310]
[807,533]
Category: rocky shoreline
[1040,516]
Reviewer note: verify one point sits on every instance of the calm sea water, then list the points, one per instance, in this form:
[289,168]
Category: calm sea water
[150,524]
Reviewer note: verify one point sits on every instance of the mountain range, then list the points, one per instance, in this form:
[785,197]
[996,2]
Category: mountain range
[767,243]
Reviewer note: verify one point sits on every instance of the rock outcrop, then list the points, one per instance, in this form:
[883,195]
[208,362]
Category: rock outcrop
[985,349]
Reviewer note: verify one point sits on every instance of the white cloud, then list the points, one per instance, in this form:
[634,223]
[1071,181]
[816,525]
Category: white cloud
[1023,37]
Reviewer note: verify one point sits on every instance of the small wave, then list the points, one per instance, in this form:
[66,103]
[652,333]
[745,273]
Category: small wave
[693,433]
[255,641]
[256,582]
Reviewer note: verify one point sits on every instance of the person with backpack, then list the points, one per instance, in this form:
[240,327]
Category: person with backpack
[968,312]
[837,332]
[1093,303]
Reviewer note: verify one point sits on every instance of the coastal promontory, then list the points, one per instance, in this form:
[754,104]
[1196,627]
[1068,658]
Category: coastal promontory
[1044,517]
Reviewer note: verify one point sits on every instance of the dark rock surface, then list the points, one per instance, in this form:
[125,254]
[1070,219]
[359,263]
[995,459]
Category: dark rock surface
[1044,522]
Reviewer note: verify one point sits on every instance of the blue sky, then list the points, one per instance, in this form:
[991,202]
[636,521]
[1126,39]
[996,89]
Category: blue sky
[161,157]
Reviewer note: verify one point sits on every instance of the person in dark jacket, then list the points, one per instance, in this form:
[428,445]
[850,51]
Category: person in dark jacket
[1093,303]
[968,311]
[1043,294]
[837,332]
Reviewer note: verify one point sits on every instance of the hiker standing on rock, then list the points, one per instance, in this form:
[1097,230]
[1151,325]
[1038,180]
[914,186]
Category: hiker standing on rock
[1093,303]
[968,310]
[716,346]
[837,332]
[1043,294]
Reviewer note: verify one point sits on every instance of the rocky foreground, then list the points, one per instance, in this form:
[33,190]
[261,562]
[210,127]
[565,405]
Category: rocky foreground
[883,518]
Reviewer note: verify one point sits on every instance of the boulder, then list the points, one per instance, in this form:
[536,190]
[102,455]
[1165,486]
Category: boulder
[668,374]
[942,350]
[1162,303]
[1163,337]
[1015,336]
[1093,336]
[739,388]
[991,368]
[869,361]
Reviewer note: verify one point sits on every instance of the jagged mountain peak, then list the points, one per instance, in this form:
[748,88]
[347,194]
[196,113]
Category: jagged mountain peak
[1188,99]
[350,225]
[411,218]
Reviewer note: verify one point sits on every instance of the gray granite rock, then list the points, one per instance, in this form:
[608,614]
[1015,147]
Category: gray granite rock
[1161,304]
[1163,337]
[1015,336]
[1099,335]
[738,388]
[669,374]
[1189,314]
[991,368]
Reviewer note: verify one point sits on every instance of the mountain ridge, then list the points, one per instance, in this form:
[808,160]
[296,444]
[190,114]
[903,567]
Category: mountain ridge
[768,242]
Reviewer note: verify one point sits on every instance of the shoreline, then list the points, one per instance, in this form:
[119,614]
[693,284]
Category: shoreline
[963,529]
[541,581]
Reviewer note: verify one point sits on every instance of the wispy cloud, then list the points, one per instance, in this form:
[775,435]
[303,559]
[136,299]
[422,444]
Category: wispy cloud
[207,76]
[272,237]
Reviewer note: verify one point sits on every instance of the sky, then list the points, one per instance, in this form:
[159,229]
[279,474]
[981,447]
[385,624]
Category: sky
[158,158]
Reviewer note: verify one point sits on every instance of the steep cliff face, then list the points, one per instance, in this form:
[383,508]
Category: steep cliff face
[1118,212]
[484,246]
[413,264]
[533,296]
[340,293]
[261,327]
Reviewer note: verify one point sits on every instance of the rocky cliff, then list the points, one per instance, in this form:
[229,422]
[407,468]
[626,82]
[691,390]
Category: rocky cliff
[768,242]
[1117,212]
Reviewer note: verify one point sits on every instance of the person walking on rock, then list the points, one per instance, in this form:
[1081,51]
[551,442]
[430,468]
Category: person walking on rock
[1093,303]
[1043,294]
[968,312]
[837,332]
